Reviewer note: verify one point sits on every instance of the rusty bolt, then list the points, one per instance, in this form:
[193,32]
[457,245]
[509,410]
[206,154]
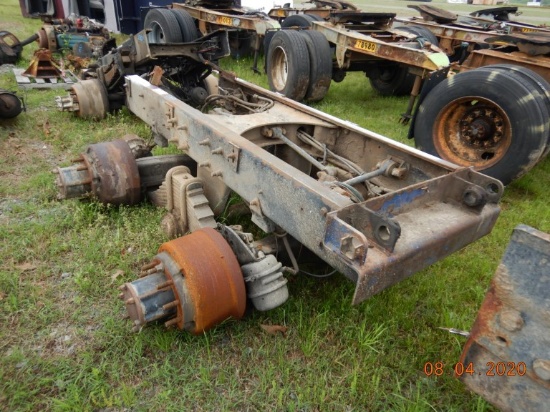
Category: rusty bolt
[150,265]
[352,247]
[511,320]
[171,305]
[217,151]
[166,284]
[474,196]
[399,172]
[542,368]
[324,211]
[267,132]
[205,142]
[171,322]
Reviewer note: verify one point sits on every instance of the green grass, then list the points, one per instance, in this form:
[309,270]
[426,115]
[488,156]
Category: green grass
[64,345]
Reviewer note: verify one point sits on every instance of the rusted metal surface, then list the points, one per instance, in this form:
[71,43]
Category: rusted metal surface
[10,48]
[323,9]
[83,36]
[397,223]
[486,57]
[532,44]
[460,36]
[106,170]
[468,133]
[42,65]
[380,46]
[118,172]
[451,38]
[509,345]
[46,38]
[233,18]
[87,99]
[193,283]
[436,14]
[185,73]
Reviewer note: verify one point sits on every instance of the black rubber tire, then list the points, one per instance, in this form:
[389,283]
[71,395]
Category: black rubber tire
[541,88]
[421,32]
[492,100]
[267,41]
[10,105]
[164,27]
[288,64]
[299,20]
[320,71]
[187,25]
[315,17]
[392,79]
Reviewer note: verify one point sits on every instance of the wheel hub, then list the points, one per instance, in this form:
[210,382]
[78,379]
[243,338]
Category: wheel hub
[482,128]
[193,283]
[472,131]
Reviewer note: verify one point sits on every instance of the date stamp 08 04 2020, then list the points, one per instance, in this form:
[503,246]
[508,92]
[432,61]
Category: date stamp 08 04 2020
[490,369]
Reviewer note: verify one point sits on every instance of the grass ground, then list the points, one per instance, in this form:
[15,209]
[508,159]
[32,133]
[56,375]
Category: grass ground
[64,345]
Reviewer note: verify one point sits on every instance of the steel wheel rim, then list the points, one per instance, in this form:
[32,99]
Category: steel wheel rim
[472,131]
[157,34]
[279,70]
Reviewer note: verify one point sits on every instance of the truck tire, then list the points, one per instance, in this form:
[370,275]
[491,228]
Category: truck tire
[288,64]
[164,26]
[391,79]
[320,58]
[298,20]
[485,119]
[421,32]
[395,79]
[540,87]
[189,31]
[302,21]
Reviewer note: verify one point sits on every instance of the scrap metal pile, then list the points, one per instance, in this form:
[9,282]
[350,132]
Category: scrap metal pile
[373,209]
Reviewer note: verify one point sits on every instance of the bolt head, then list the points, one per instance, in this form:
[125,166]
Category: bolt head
[511,320]
[542,369]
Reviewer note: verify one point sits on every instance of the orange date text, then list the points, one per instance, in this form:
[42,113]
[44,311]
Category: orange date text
[489,369]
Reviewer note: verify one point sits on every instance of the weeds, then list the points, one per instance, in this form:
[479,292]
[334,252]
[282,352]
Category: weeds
[64,345]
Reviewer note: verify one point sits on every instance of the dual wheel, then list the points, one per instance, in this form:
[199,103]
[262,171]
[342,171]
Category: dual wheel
[299,64]
[494,118]
[170,26]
